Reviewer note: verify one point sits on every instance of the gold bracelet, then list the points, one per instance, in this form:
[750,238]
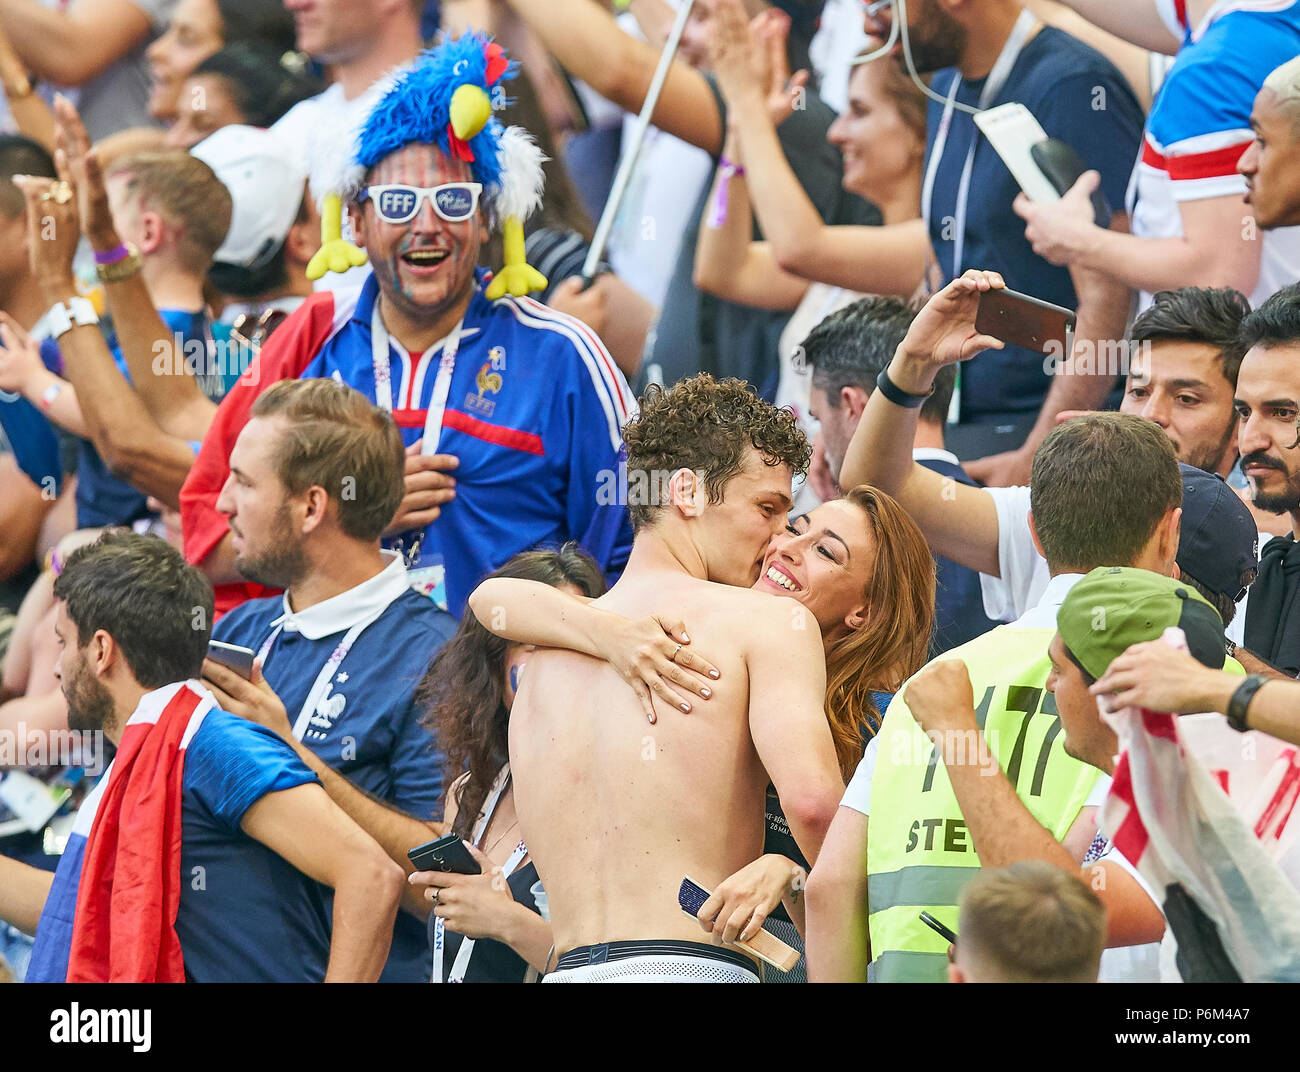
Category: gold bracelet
[121,269]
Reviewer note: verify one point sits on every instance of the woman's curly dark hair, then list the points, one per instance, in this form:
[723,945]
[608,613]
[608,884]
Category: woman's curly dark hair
[707,426]
[462,693]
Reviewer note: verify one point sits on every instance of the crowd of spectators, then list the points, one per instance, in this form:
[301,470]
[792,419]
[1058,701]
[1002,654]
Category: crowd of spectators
[745,604]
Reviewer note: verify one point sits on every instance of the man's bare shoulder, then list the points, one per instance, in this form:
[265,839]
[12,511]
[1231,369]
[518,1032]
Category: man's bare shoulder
[752,619]
[766,622]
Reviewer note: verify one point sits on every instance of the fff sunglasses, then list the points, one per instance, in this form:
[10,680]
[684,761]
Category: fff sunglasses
[455,202]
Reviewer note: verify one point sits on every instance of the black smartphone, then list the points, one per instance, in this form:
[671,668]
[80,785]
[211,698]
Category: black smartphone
[935,925]
[233,657]
[445,854]
[1062,166]
[1020,320]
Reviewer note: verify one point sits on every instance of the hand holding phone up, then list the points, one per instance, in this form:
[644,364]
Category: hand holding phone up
[944,332]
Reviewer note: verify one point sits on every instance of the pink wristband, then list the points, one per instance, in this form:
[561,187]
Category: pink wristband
[112,256]
[727,171]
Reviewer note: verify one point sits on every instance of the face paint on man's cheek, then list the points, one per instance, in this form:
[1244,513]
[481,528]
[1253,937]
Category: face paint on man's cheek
[516,672]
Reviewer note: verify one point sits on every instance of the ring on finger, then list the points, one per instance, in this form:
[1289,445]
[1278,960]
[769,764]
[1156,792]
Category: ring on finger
[673,656]
[436,891]
[61,192]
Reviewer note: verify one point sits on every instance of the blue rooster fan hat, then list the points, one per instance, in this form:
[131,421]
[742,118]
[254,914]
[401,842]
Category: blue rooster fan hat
[440,100]
[445,98]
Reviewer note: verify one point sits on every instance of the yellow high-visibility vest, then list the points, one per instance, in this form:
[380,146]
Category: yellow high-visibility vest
[919,851]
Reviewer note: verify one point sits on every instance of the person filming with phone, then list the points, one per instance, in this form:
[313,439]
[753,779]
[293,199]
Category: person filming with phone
[315,476]
[1190,348]
[983,54]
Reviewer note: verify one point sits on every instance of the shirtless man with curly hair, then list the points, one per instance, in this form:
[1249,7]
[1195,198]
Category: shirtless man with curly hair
[616,816]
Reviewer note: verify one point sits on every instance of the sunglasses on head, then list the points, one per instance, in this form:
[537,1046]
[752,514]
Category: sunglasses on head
[455,202]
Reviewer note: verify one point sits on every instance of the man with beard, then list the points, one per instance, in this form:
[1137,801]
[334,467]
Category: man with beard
[1182,374]
[1268,408]
[987,53]
[511,413]
[198,855]
[315,476]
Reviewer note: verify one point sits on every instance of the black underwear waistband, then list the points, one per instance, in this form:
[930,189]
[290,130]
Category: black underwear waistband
[606,952]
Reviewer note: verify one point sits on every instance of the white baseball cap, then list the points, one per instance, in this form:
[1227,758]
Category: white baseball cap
[266,185]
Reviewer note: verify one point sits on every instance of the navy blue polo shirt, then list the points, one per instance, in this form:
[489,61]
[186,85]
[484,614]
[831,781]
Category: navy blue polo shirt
[1077,96]
[367,725]
[534,414]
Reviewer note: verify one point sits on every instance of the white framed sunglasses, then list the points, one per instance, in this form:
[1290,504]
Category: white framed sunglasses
[454,202]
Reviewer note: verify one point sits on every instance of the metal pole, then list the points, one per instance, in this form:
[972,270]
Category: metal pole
[632,151]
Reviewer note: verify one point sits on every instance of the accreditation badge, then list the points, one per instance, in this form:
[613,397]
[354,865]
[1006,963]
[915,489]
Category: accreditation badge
[431,581]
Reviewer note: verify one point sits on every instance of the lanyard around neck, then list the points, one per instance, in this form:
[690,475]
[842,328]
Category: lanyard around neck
[461,963]
[381,357]
[992,87]
[321,685]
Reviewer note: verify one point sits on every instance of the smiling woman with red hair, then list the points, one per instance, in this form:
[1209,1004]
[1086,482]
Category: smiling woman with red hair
[857,566]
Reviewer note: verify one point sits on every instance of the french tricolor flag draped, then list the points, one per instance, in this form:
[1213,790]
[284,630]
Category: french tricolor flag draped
[1170,817]
[129,893]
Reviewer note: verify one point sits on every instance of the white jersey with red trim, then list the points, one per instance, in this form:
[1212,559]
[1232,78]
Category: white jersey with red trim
[1199,123]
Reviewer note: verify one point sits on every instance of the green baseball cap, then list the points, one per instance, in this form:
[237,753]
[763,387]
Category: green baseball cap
[1115,606]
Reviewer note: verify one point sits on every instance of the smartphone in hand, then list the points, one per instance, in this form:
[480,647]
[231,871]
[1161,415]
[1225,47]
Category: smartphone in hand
[445,854]
[233,657]
[944,932]
[1019,320]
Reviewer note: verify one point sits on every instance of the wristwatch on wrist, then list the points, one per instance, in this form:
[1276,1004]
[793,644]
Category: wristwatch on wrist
[62,315]
[1241,701]
[125,263]
[897,395]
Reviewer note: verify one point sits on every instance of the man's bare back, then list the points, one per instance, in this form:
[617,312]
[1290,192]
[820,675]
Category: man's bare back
[617,811]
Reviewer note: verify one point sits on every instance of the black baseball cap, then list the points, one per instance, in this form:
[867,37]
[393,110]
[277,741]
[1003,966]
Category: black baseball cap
[1219,540]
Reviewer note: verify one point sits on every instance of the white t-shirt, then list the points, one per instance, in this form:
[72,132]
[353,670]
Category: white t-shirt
[657,210]
[659,206]
[839,38]
[1024,571]
[858,793]
[1134,963]
[322,132]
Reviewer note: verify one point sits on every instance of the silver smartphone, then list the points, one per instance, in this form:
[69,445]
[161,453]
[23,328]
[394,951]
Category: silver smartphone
[233,657]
